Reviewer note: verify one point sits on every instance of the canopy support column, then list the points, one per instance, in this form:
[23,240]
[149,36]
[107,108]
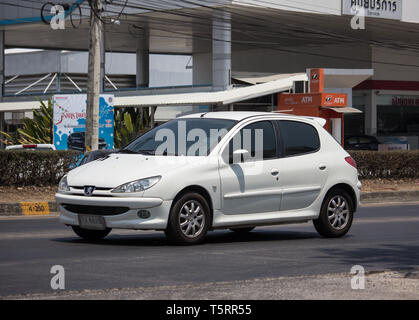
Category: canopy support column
[143,61]
[221,51]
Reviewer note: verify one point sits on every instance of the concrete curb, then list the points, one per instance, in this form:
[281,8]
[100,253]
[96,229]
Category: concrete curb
[18,208]
[389,196]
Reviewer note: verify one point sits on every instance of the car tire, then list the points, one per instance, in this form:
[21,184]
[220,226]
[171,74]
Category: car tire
[189,220]
[336,214]
[242,230]
[91,234]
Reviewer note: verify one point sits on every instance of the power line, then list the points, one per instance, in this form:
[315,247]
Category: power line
[339,37]
[323,33]
[251,31]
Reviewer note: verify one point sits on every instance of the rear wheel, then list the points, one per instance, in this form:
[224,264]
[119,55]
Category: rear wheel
[242,230]
[336,214]
[91,234]
[189,219]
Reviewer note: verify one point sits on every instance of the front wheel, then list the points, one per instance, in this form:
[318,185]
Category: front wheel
[189,219]
[336,214]
[91,234]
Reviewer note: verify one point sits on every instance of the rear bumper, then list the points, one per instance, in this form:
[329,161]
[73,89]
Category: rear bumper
[158,208]
[358,193]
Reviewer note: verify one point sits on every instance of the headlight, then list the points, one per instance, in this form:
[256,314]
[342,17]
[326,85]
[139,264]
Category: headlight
[137,185]
[63,185]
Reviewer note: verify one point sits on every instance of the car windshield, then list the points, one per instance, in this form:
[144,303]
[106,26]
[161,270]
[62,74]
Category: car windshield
[187,136]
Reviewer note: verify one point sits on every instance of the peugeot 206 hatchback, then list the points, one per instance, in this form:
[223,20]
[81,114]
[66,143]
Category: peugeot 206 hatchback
[216,170]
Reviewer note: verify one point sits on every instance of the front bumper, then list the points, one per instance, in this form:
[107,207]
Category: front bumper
[159,211]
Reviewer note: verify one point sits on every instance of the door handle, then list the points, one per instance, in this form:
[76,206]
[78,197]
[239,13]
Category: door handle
[274,172]
[322,166]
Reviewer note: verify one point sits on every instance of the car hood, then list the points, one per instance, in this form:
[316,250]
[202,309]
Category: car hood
[117,169]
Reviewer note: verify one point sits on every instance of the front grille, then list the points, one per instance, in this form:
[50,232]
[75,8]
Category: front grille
[94,195]
[96,188]
[99,210]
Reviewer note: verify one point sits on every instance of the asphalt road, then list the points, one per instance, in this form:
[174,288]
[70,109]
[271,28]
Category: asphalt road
[382,237]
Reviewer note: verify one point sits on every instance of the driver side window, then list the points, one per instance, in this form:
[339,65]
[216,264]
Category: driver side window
[258,139]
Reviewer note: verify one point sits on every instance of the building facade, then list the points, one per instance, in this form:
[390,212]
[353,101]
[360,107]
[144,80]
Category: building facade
[225,38]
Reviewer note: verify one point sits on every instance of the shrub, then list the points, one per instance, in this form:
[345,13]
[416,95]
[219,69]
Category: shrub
[29,167]
[40,168]
[387,164]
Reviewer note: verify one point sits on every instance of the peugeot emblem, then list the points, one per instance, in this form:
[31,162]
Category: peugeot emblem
[88,190]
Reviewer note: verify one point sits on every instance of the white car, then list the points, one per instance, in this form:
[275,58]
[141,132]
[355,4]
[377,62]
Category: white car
[216,170]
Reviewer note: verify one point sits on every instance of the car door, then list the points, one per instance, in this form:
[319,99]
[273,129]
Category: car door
[251,186]
[303,168]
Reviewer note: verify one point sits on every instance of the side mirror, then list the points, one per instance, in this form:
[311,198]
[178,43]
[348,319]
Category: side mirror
[240,155]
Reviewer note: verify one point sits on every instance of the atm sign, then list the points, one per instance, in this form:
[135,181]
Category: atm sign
[335,99]
[313,99]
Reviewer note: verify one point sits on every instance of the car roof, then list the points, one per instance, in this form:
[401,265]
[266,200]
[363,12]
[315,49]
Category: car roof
[241,115]
[229,115]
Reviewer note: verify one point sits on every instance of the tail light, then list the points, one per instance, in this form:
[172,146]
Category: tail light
[351,161]
[30,146]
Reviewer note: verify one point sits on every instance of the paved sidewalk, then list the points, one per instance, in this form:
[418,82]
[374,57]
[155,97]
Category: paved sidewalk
[377,285]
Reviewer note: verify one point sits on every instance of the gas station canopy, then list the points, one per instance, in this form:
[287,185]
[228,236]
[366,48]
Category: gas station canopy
[345,78]
[333,78]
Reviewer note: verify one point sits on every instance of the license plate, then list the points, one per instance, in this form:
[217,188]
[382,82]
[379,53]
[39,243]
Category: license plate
[92,222]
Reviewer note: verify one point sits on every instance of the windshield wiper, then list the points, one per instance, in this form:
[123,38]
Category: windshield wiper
[148,152]
[127,151]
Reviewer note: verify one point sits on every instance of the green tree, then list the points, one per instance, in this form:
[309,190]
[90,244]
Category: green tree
[129,123]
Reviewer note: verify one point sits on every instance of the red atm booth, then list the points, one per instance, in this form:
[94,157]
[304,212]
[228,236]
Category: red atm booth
[317,103]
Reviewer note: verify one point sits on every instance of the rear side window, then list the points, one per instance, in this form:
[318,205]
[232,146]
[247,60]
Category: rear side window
[298,137]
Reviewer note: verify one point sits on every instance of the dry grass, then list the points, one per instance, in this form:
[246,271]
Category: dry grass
[390,185]
[30,193]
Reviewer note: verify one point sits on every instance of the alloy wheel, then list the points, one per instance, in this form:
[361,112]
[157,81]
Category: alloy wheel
[338,212]
[191,219]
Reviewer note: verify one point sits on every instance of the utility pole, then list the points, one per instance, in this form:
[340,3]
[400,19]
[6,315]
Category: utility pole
[94,76]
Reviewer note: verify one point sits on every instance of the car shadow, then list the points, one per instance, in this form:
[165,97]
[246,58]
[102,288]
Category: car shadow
[214,237]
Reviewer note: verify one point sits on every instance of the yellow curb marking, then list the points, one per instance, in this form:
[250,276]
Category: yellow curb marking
[35,208]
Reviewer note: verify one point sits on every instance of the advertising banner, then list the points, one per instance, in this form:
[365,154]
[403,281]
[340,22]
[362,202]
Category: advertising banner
[70,121]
